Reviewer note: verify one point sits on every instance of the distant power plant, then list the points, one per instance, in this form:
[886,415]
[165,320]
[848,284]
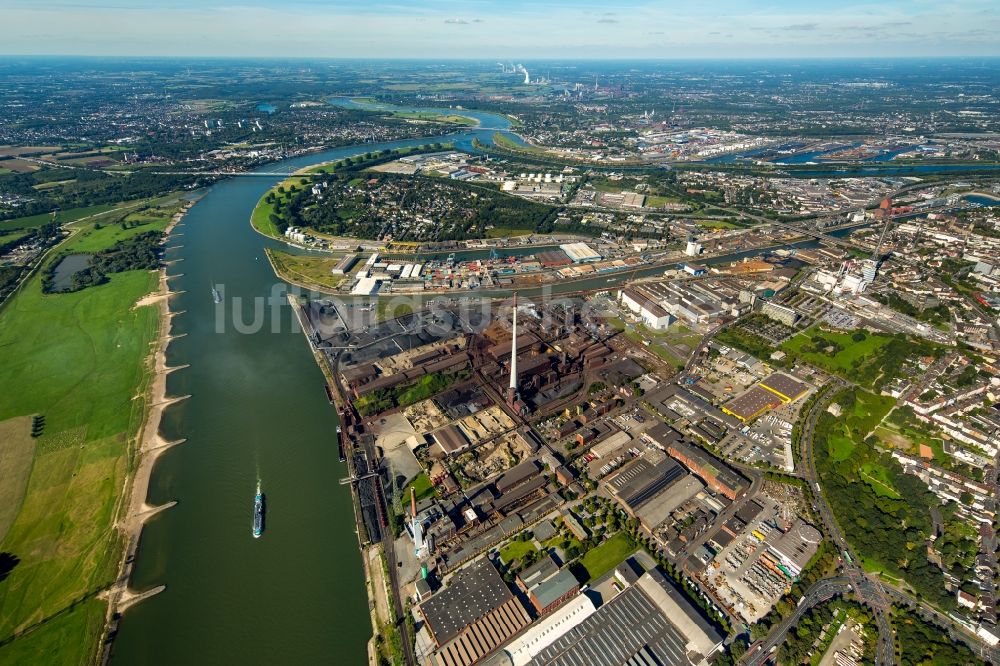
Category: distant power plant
[524,70]
[521,69]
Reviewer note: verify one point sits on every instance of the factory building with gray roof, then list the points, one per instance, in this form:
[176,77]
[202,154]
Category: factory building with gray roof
[471,594]
[643,479]
[546,585]
[650,622]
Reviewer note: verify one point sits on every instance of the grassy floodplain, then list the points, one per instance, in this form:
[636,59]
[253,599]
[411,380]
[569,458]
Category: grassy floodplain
[451,118]
[62,217]
[260,218]
[82,361]
[503,142]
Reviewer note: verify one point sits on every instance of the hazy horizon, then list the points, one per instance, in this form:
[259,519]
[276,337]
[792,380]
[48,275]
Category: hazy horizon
[460,59]
[431,29]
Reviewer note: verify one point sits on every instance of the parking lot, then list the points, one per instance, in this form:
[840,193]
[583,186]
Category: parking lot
[768,440]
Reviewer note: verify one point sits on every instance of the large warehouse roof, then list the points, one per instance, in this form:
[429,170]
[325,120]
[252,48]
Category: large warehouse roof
[658,509]
[550,629]
[786,387]
[471,594]
[685,616]
[752,404]
[645,624]
[580,252]
[644,478]
[484,635]
[366,286]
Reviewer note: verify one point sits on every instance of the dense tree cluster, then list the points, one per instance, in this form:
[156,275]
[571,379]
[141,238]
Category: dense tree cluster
[805,641]
[921,643]
[87,188]
[9,275]
[140,252]
[890,531]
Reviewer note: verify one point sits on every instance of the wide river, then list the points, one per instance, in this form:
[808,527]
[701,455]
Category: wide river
[257,411]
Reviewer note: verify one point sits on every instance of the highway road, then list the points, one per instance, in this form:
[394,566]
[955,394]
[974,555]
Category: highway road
[821,591]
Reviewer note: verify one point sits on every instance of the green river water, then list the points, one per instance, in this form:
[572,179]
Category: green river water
[257,410]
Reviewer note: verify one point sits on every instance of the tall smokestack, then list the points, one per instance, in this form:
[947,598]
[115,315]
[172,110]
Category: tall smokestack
[886,209]
[419,546]
[512,390]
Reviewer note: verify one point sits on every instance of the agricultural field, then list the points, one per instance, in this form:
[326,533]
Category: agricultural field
[81,361]
[17,166]
[52,184]
[17,151]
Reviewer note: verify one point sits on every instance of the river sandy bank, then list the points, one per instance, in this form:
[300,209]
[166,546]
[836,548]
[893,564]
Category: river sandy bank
[149,445]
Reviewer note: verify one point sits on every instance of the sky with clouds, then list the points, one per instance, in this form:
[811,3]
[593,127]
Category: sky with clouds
[513,29]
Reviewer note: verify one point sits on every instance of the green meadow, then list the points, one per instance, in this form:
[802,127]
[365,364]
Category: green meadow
[603,558]
[865,358]
[841,360]
[62,217]
[82,361]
